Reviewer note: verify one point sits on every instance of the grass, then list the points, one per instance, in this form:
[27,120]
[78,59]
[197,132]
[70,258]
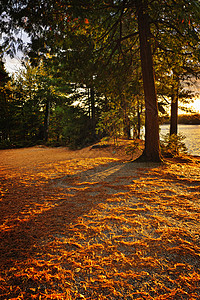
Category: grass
[100,227]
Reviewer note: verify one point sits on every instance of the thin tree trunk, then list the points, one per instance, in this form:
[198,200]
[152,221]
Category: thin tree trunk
[126,122]
[46,121]
[89,108]
[138,119]
[152,147]
[6,123]
[93,115]
[174,115]
[174,108]
[127,127]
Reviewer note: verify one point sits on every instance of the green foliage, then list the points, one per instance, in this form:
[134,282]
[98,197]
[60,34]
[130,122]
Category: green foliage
[110,123]
[26,102]
[173,145]
[95,46]
[70,126]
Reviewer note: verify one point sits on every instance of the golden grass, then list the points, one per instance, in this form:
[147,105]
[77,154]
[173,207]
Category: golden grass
[97,227]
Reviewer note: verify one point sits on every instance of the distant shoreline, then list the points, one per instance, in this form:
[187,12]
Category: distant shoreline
[186,119]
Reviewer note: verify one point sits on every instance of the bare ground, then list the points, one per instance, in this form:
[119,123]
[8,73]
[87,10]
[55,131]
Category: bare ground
[90,224]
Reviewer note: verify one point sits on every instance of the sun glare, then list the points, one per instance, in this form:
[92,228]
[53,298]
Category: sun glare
[196,105]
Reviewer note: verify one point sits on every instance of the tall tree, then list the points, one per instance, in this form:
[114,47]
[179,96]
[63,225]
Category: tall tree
[4,111]
[113,23]
[152,148]
[176,71]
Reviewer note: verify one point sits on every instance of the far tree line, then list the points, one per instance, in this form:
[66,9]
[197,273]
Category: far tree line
[192,119]
[95,69]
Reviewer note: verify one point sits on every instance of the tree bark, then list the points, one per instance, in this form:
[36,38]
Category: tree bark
[174,115]
[139,112]
[152,148]
[46,121]
[126,121]
[174,107]
[93,113]
[127,127]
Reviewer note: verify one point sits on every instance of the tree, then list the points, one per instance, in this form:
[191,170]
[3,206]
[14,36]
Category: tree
[4,111]
[176,71]
[28,115]
[155,20]
[115,32]
[27,100]
[112,24]
[176,37]
[152,148]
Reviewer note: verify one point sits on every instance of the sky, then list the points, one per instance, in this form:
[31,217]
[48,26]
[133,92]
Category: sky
[196,105]
[12,65]
[196,89]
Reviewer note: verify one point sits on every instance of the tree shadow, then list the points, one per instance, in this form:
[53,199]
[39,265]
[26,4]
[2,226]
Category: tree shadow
[35,214]
[42,218]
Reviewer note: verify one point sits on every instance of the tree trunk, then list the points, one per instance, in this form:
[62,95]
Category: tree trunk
[126,121]
[46,121]
[139,111]
[127,127]
[93,115]
[174,108]
[152,147]
[174,115]
[5,120]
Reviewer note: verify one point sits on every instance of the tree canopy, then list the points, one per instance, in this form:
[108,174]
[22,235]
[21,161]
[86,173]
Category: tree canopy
[109,48]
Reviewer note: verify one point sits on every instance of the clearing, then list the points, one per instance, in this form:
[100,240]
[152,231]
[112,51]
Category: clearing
[90,224]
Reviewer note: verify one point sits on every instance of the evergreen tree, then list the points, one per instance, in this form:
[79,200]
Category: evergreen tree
[4,109]
[114,26]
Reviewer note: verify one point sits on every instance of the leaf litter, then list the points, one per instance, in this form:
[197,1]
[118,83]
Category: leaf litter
[90,224]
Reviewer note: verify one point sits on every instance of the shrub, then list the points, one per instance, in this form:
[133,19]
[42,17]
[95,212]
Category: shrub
[173,145]
[133,147]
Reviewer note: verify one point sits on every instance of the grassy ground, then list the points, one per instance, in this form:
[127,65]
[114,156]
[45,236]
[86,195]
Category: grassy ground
[90,224]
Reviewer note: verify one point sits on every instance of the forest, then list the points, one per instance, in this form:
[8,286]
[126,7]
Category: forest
[88,209]
[189,119]
[95,70]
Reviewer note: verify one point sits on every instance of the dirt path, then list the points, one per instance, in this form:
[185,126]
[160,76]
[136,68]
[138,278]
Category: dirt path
[88,224]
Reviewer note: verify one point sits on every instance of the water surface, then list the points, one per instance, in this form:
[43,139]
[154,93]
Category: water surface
[192,136]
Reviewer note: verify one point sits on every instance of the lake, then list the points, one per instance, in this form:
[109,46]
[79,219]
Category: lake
[192,136]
